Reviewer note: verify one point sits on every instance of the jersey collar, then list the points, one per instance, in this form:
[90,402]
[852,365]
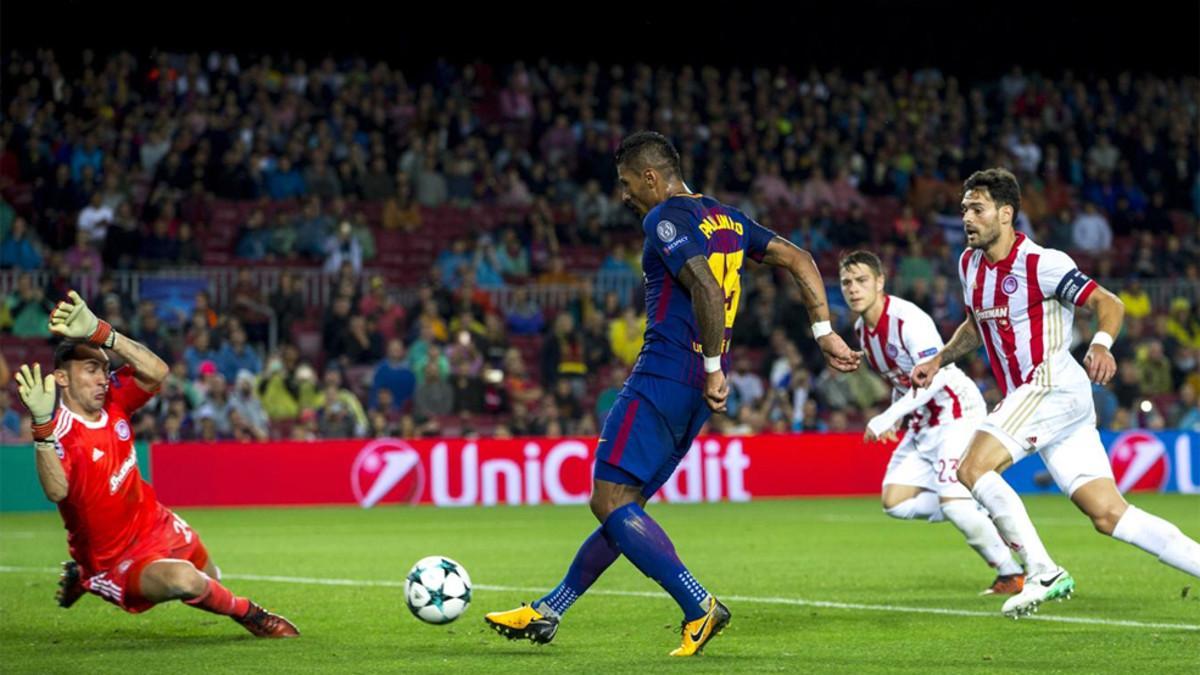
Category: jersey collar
[98,424]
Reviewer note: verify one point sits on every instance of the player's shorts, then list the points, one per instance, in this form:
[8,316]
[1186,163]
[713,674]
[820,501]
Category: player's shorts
[1059,423]
[648,431]
[929,458]
[171,537]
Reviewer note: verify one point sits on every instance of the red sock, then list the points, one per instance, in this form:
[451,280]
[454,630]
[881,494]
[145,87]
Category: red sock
[220,600]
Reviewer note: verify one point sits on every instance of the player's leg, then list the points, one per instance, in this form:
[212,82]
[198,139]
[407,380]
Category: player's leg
[979,471]
[908,488]
[909,502]
[1080,466]
[70,585]
[965,513]
[538,620]
[171,579]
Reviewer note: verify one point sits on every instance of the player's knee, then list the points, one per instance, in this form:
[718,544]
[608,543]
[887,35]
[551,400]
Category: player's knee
[1105,519]
[601,506]
[184,581]
[970,471]
[905,510]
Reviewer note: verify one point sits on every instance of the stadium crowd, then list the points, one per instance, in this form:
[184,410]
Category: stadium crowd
[437,202]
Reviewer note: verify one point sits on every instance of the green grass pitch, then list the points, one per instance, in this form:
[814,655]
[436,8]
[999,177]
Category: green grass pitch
[814,586]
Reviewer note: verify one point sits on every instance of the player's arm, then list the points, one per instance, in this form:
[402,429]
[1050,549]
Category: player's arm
[1110,315]
[879,425]
[800,264]
[708,304]
[72,318]
[965,341]
[38,393]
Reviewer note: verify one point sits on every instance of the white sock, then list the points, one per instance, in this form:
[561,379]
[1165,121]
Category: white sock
[981,534]
[1160,538]
[1012,521]
[923,506]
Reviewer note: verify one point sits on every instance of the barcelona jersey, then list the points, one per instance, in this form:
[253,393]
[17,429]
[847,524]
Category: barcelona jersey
[676,230]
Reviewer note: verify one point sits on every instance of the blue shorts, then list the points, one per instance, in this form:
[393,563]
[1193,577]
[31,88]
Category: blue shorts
[648,431]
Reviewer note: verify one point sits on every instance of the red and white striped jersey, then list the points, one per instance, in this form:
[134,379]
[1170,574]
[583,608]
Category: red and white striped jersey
[1024,308]
[903,337]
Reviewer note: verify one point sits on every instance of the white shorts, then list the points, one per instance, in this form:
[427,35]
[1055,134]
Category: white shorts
[929,459]
[1059,423]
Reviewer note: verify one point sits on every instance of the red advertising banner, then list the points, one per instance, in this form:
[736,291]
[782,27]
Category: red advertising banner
[458,472]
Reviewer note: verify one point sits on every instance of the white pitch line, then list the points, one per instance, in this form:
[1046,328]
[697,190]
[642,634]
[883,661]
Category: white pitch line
[795,602]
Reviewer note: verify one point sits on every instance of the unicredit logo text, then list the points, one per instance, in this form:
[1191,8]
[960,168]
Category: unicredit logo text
[554,472]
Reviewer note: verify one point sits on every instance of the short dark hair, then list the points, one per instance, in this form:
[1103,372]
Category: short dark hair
[1002,187]
[861,257]
[649,149]
[76,350]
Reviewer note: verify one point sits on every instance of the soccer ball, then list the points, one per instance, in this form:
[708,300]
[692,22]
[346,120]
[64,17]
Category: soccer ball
[437,590]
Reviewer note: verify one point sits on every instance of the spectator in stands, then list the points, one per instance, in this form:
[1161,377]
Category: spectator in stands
[562,354]
[1137,301]
[809,419]
[236,355]
[518,385]
[245,402]
[451,263]
[313,228]
[906,227]
[1186,414]
[1183,325]
[95,218]
[429,185]
[159,249]
[806,237]
[28,310]
[188,252]
[254,239]
[525,316]
[343,248]
[20,248]
[149,329]
[285,181]
[467,386]
[361,345]
[434,395]
[745,384]
[10,417]
[201,351]
[486,264]
[335,326]
[626,335]
[394,376]
[1090,230]
[512,259]
[400,212]
[1155,369]
[338,408]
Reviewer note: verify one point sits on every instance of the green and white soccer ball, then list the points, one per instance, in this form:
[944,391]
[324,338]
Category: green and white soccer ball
[437,590]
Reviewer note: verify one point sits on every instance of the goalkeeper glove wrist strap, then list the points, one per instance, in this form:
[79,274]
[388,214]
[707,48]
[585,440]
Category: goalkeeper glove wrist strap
[104,335]
[43,431]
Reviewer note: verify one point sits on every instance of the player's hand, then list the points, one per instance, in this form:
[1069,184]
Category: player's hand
[839,356]
[36,392]
[71,318]
[1100,364]
[924,372]
[716,391]
[870,437]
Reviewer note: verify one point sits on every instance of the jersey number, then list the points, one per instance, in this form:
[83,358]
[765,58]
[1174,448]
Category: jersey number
[727,268]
